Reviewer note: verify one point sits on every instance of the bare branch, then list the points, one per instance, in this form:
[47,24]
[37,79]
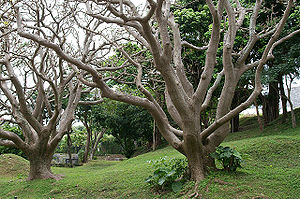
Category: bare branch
[186,44]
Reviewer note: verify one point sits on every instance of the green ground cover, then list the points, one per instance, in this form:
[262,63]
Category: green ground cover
[271,170]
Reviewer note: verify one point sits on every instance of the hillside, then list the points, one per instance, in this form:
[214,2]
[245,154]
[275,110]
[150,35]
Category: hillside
[12,165]
[271,170]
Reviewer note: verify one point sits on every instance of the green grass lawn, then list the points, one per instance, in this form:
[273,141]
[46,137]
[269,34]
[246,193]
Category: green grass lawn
[271,170]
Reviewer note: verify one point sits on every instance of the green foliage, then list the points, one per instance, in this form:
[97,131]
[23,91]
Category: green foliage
[14,129]
[108,145]
[130,125]
[230,158]
[168,173]
[188,17]
[78,138]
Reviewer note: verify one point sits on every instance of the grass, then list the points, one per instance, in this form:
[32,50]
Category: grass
[271,170]
[12,166]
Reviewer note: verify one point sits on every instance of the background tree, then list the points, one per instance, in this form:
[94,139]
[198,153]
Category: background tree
[78,138]
[87,113]
[275,70]
[131,126]
[155,29]
[287,64]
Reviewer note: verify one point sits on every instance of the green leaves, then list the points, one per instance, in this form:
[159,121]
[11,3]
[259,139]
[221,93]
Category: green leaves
[168,173]
[230,158]
[162,180]
[176,186]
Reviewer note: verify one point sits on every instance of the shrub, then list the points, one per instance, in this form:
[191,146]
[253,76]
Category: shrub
[229,158]
[168,173]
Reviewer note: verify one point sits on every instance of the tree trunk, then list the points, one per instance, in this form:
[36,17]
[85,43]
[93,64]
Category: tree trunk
[271,103]
[194,153]
[292,111]
[289,89]
[283,98]
[235,123]
[156,137]
[196,167]
[98,137]
[40,168]
[293,117]
[69,144]
[259,120]
[87,145]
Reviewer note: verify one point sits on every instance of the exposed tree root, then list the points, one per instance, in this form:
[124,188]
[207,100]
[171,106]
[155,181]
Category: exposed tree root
[194,194]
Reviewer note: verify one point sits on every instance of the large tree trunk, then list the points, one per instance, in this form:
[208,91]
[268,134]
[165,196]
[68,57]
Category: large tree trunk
[194,154]
[40,167]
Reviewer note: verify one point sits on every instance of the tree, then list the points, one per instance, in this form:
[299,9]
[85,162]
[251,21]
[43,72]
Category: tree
[287,64]
[155,29]
[130,125]
[87,115]
[38,93]
[276,69]
[78,138]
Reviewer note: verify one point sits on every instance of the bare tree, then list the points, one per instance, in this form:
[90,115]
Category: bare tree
[154,29]
[39,93]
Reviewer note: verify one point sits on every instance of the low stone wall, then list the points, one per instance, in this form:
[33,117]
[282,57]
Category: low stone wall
[63,159]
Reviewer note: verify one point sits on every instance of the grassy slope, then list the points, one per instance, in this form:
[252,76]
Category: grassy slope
[13,165]
[272,169]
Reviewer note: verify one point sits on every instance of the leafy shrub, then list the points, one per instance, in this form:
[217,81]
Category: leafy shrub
[230,158]
[168,173]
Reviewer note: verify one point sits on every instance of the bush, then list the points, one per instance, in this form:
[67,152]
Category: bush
[168,173]
[230,158]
